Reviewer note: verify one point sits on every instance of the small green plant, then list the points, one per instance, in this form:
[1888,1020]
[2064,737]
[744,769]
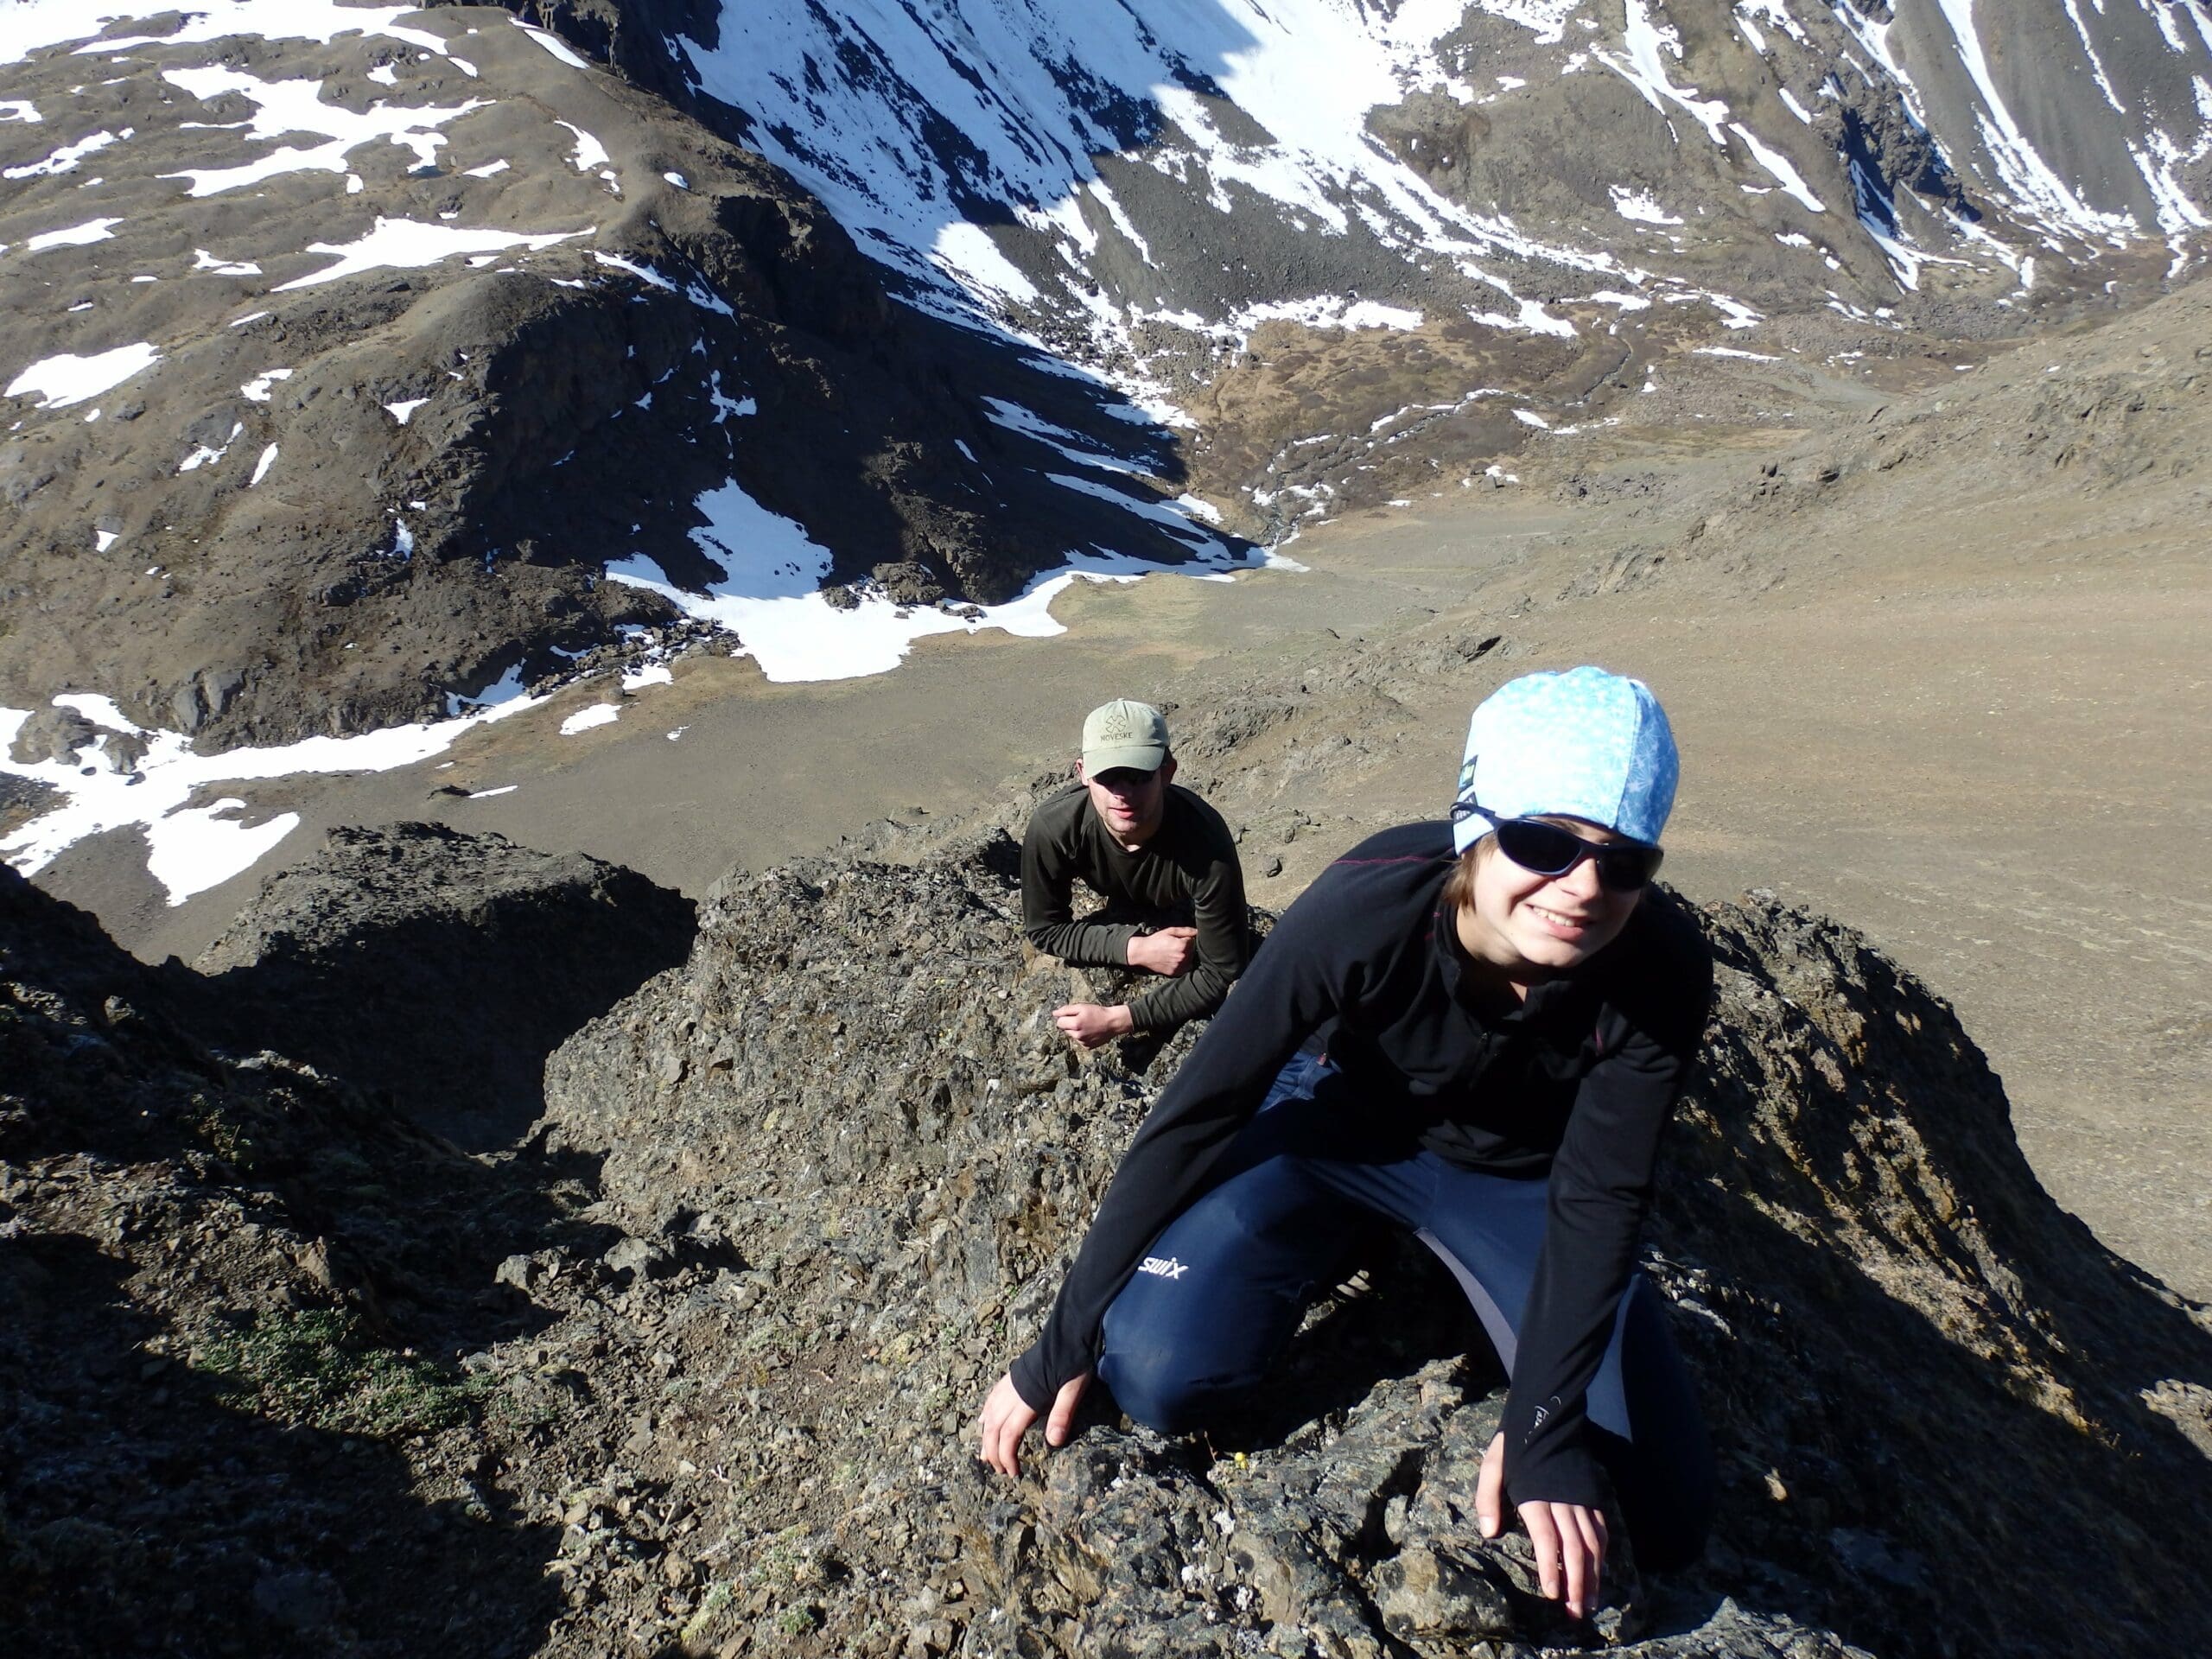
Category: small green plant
[797,1621]
[322,1369]
[716,1602]
[223,1132]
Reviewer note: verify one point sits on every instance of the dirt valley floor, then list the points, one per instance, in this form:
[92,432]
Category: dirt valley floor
[1974,731]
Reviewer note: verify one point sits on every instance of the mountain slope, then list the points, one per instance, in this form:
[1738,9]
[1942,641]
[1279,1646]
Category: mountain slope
[350,355]
[1149,187]
[369,367]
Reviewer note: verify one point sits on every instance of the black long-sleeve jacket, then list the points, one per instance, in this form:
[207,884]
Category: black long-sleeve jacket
[1577,1082]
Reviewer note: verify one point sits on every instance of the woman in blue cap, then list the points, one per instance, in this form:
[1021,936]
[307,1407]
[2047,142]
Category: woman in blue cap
[1476,1029]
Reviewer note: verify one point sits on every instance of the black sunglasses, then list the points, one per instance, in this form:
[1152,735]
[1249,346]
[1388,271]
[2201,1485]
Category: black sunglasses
[1544,848]
[1124,780]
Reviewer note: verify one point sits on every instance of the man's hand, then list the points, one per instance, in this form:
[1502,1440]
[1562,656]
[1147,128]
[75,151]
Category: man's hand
[1087,1024]
[1007,1418]
[1167,951]
[1570,1538]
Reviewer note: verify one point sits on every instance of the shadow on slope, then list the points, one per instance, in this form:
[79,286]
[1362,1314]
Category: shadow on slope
[233,1293]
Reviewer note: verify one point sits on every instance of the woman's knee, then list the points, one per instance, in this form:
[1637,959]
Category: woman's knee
[1670,1531]
[1161,1387]
[1665,1495]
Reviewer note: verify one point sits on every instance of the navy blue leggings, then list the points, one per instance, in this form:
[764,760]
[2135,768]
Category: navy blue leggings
[1222,1289]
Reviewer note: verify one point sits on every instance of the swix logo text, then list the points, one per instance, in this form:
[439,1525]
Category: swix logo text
[1163,1267]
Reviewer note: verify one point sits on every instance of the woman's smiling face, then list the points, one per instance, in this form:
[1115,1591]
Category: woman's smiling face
[1530,927]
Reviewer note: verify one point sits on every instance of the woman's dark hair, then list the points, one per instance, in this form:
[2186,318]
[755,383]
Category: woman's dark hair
[1460,886]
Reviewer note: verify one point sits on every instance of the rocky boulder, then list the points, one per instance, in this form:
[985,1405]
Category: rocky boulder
[440,966]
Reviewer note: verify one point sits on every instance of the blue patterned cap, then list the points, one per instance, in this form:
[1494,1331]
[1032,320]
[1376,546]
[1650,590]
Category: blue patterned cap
[1582,744]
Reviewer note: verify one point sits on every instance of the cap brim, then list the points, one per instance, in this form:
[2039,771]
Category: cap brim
[1143,756]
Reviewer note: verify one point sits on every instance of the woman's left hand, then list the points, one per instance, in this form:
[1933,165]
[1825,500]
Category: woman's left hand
[1569,1538]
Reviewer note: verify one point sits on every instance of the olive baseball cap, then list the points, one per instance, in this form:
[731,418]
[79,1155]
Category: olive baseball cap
[1124,734]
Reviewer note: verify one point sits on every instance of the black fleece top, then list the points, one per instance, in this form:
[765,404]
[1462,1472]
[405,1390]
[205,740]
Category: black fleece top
[1187,869]
[1575,1082]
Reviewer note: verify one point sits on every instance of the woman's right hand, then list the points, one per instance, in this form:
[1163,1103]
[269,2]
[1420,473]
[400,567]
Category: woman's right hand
[1007,1418]
[1569,1539]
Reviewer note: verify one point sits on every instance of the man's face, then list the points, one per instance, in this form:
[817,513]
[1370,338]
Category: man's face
[1130,803]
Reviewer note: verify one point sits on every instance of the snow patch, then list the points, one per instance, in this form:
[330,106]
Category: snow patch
[406,244]
[261,388]
[284,107]
[28,25]
[203,260]
[589,152]
[76,236]
[693,291]
[770,598]
[204,456]
[193,849]
[1640,207]
[1775,163]
[1644,69]
[63,380]
[554,44]
[603,714]
[64,160]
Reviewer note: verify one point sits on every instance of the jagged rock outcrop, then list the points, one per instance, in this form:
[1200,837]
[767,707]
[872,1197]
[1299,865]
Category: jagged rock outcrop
[439,966]
[695,1372]
[1912,1358]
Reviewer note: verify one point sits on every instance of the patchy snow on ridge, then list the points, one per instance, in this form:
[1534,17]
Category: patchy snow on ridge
[28,25]
[67,159]
[73,236]
[285,107]
[892,126]
[405,243]
[599,714]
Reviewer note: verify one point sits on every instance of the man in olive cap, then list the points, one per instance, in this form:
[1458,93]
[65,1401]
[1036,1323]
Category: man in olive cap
[1161,859]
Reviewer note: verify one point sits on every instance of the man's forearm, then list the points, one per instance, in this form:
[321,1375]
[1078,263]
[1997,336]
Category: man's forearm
[1084,945]
[1187,997]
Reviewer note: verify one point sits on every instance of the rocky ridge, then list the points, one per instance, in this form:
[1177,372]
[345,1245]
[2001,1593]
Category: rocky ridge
[482,955]
[709,1345]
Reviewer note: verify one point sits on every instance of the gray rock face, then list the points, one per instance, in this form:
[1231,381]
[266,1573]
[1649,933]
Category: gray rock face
[1910,1358]
[206,1260]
